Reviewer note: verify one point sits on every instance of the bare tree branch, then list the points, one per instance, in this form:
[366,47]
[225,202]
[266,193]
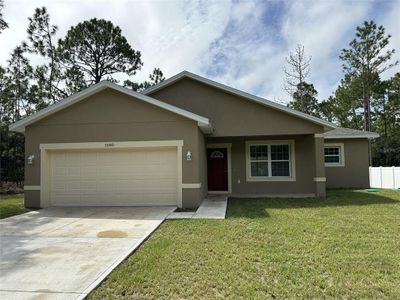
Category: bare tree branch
[297,69]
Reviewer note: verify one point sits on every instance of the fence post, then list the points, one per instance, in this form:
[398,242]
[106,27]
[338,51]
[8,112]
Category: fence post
[394,178]
[370,176]
[380,171]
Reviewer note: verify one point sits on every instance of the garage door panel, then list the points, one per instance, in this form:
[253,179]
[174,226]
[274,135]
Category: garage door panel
[89,171]
[88,158]
[114,177]
[73,185]
[89,185]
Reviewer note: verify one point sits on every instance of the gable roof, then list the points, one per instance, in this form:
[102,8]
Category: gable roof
[347,133]
[20,125]
[185,74]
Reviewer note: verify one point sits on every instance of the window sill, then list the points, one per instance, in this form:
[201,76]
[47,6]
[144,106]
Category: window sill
[334,165]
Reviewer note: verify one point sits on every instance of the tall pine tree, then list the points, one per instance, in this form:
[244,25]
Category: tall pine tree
[365,59]
[98,50]
[41,36]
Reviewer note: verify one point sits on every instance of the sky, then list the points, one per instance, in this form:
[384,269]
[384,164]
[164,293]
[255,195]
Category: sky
[239,43]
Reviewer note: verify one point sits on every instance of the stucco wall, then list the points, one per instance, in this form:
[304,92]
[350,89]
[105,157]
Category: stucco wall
[232,115]
[355,173]
[304,160]
[112,116]
[202,165]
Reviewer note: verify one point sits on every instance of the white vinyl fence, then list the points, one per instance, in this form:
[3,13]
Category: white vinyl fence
[384,177]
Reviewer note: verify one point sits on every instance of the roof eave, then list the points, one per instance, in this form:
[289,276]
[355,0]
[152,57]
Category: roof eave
[19,129]
[206,128]
[369,136]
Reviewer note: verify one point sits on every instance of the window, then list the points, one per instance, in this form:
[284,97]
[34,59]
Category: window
[334,155]
[259,160]
[280,163]
[269,160]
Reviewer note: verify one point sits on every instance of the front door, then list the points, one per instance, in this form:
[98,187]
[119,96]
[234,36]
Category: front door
[217,163]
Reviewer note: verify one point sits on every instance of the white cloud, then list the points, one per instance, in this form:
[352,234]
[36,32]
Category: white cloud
[171,35]
[180,35]
[391,23]
[242,44]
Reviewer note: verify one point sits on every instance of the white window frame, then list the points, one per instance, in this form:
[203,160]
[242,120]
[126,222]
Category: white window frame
[292,164]
[341,162]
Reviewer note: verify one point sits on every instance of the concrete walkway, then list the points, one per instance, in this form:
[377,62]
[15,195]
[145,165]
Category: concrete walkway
[64,253]
[213,207]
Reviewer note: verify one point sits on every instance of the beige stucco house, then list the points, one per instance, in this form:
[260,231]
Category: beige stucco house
[179,141]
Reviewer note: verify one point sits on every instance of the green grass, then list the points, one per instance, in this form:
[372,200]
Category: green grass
[12,205]
[346,246]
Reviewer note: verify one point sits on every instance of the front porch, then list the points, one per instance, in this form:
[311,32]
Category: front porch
[266,166]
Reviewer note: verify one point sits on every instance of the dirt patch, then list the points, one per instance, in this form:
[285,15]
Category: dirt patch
[112,234]
[185,210]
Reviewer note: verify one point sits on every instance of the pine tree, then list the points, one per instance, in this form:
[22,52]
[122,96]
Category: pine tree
[156,77]
[41,35]
[386,121]
[365,59]
[19,73]
[3,24]
[98,50]
[305,99]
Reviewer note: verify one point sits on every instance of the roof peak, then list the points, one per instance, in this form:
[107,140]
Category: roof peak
[327,125]
[20,125]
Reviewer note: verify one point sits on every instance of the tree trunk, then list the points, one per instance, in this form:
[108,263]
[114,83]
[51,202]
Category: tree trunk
[367,117]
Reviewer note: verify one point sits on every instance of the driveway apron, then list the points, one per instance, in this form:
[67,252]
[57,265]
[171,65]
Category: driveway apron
[64,253]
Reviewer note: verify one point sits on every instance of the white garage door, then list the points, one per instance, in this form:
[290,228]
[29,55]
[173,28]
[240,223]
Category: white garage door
[113,178]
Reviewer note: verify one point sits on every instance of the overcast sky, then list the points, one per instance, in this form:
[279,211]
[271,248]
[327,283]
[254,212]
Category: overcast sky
[242,44]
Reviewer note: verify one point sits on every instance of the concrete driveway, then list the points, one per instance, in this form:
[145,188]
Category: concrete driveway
[64,253]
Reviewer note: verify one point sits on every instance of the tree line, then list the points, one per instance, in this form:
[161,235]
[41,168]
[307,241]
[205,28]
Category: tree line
[362,100]
[91,51]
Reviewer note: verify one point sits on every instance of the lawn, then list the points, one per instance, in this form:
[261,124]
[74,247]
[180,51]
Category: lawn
[346,246]
[12,205]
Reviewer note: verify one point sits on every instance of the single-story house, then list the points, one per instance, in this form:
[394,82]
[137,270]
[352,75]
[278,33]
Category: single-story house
[178,141]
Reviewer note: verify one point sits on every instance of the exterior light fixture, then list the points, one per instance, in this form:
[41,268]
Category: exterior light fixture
[189,155]
[30,159]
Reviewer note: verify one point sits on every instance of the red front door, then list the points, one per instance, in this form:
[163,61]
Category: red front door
[217,164]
